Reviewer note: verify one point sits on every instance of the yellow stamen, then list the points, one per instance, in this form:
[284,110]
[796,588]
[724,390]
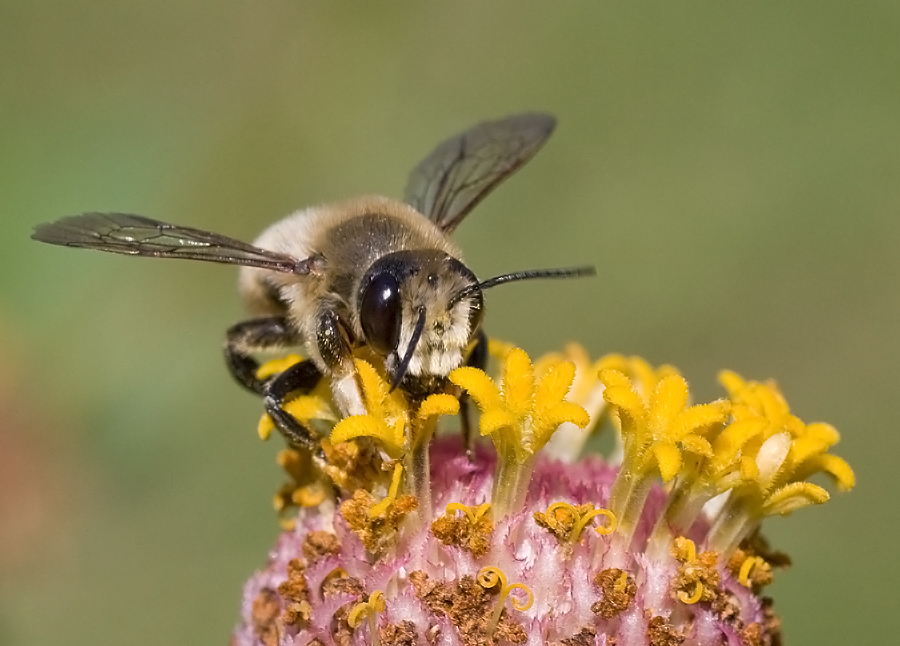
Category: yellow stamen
[622,582]
[746,567]
[694,598]
[373,605]
[381,507]
[490,577]
[369,608]
[579,520]
[434,405]
[499,349]
[766,461]
[610,527]
[520,417]
[386,415]
[474,513]
[265,427]
[684,550]
[662,435]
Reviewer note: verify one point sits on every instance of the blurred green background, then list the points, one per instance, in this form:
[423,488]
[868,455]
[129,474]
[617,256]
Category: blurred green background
[731,170]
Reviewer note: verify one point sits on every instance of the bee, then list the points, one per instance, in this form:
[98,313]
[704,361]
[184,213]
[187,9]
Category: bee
[371,271]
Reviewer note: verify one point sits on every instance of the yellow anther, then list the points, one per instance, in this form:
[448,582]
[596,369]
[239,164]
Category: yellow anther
[520,412]
[490,577]
[524,413]
[265,427]
[622,582]
[381,507]
[579,520]
[369,608]
[746,567]
[684,550]
[474,514]
[694,598]
[553,517]
[610,527]
[499,349]
[439,404]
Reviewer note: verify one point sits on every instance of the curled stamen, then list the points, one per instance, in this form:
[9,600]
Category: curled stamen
[694,598]
[474,513]
[492,576]
[381,507]
[552,517]
[621,583]
[610,527]
[686,548]
[579,520]
[369,608]
[746,567]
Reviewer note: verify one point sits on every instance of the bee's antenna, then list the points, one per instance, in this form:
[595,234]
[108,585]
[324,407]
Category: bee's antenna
[528,274]
[413,342]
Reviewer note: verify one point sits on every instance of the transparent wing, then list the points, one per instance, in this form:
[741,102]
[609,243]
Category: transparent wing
[461,171]
[136,235]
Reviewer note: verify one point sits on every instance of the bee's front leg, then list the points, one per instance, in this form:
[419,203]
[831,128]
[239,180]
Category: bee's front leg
[336,351]
[303,377]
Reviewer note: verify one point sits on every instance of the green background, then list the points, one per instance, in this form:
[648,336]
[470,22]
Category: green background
[731,170]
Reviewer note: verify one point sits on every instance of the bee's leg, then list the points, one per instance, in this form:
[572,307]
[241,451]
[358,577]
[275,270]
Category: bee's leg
[247,337]
[477,359]
[336,350]
[301,376]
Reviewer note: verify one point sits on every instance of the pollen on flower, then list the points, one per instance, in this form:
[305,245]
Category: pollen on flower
[396,534]
[471,530]
[697,578]
[566,521]
[306,488]
[618,589]
[376,531]
[295,593]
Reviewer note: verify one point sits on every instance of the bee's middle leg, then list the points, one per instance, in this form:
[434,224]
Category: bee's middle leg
[247,337]
[254,335]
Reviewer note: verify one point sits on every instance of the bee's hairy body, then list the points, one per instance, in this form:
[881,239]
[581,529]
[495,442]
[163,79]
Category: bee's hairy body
[371,272]
[347,239]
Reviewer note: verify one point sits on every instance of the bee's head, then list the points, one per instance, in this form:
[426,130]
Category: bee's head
[419,309]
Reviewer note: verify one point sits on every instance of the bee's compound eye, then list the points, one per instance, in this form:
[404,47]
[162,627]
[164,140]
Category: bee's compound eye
[379,313]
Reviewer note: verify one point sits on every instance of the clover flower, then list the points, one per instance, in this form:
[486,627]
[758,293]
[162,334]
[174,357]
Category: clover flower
[405,537]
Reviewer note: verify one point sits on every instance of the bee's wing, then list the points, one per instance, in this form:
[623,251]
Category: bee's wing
[461,171]
[136,235]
